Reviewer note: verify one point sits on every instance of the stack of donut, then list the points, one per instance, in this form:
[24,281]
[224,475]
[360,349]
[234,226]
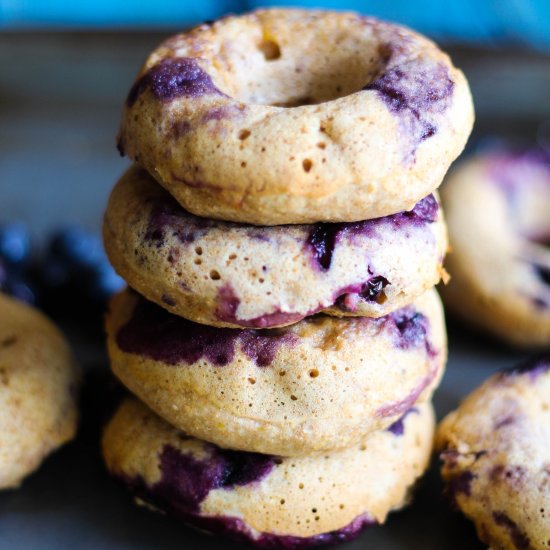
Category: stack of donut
[281,236]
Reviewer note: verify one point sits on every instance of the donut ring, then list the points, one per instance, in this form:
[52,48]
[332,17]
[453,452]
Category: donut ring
[318,385]
[38,389]
[495,450]
[498,212]
[235,275]
[261,119]
[273,503]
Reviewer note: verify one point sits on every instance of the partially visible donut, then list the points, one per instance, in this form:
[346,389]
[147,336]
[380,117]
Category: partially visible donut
[295,116]
[291,503]
[236,275]
[315,386]
[495,450]
[38,390]
[498,213]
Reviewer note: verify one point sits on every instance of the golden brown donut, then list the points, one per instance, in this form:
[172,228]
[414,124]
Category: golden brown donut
[295,116]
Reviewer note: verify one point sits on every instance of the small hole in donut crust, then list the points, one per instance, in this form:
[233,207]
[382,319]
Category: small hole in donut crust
[214,275]
[307,164]
[243,134]
[270,49]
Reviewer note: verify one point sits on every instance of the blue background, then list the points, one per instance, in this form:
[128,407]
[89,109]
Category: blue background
[486,22]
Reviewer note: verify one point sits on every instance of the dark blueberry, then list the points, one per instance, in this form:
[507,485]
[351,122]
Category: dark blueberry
[77,247]
[55,273]
[102,281]
[15,243]
[374,288]
[398,427]
[322,241]
[412,327]
[543,272]
[3,273]
[20,287]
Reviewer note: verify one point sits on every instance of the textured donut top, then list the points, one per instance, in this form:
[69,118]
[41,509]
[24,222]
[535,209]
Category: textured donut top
[384,60]
[297,103]
[495,451]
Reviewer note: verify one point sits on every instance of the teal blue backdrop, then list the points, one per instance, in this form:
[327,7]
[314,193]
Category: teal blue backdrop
[525,22]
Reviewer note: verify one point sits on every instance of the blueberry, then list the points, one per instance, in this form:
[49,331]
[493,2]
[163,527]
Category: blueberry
[543,272]
[76,247]
[103,282]
[15,243]
[3,274]
[21,289]
[55,273]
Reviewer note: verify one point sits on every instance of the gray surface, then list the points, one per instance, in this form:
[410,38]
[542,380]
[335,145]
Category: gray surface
[60,99]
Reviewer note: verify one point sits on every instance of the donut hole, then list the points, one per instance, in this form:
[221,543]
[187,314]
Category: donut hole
[303,64]
[270,49]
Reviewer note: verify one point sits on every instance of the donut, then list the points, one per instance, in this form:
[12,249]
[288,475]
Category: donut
[315,386]
[495,451]
[269,501]
[38,386]
[289,116]
[497,207]
[234,275]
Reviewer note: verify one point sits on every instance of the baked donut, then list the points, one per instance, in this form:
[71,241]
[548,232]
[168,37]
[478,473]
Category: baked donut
[294,116]
[498,213]
[495,450]
[236,275]
[38,390]
[318,385]
[271,502]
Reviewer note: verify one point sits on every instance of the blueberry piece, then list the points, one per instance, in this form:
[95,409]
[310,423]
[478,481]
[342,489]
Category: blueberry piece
[374,288]
[76,247]
[15,243]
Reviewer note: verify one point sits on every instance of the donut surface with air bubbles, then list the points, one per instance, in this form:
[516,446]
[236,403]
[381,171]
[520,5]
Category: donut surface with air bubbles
[495,450]
[315,386]
[497,207]
[268,501]
[294,116]
[237,275]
